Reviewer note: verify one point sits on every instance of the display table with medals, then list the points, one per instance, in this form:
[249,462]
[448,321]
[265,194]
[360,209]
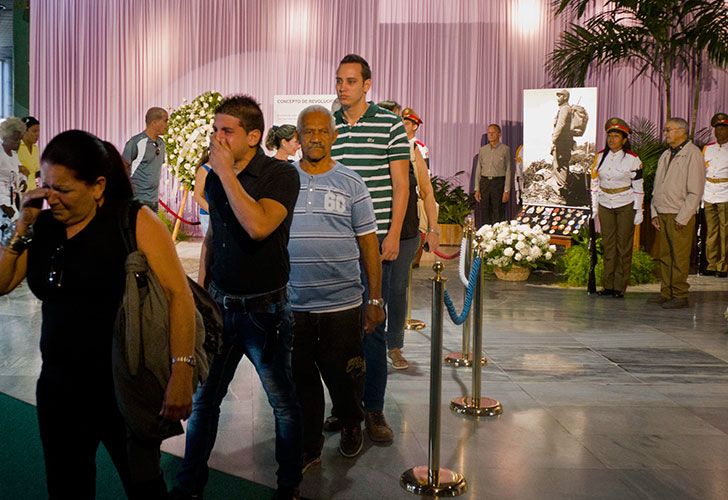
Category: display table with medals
[560,223]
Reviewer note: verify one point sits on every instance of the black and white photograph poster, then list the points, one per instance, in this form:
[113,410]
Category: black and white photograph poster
[559,136]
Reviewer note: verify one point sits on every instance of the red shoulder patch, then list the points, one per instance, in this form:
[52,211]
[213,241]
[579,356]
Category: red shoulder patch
[632,153]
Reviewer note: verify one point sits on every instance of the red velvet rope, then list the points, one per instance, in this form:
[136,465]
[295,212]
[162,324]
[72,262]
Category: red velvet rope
[191,223]
[443,256]
[447,257]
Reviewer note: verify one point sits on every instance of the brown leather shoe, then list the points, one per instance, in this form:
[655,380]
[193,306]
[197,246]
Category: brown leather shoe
[352,440]
[659,300]
[377,428]
[676,303]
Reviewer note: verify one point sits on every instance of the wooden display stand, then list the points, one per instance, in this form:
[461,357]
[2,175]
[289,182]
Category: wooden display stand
[562,241]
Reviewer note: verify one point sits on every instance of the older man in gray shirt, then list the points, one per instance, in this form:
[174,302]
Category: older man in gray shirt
[493,177]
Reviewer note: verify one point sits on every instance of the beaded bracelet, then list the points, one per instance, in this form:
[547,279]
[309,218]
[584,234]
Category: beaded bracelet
[19,243]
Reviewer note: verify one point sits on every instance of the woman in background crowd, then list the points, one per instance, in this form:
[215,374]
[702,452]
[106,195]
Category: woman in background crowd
[73,256]
[199,194]
[283,140]
[420,187]
[28,153]
[617,195]
[11,133]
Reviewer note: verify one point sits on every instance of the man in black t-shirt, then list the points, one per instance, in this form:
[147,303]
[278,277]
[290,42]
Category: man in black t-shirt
[245,265]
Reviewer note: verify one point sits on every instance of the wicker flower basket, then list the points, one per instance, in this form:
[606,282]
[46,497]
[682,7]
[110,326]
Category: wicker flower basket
[515,273]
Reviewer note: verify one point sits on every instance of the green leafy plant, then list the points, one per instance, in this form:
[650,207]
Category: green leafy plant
[170,225]
[645,140]
[574,263]
[455,203]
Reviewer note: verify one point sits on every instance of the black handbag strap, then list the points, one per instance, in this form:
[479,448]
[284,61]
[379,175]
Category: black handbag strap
[128,212]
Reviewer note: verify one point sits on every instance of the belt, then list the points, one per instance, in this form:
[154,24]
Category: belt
[263,303]
[716,180]
[491,177]
[616,190]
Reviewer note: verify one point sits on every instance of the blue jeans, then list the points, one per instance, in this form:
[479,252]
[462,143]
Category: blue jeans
[375,346]
[396,298]
[245,334]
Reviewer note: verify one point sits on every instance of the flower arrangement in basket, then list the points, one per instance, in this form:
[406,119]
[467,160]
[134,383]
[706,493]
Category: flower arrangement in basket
[510,244]
[188,136]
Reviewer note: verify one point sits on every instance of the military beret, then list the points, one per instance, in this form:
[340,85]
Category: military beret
[409,114]
[617,124]
[719,119]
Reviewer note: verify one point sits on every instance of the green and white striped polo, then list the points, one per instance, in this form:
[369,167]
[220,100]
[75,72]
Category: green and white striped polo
[367,147]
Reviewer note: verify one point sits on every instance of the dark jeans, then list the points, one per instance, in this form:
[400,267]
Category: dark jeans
[245,333]
[375,347]
[396,299]
[492,208]
[328,345]
[72,423]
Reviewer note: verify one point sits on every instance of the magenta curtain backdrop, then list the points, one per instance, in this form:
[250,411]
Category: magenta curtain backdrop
[462,64]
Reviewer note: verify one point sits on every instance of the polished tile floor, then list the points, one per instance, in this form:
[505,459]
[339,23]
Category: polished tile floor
[603,398]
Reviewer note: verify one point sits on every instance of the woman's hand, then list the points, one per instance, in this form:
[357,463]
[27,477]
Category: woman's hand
[30,207]
[177,403]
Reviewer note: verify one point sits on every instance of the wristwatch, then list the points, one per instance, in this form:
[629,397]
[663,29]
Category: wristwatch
[376,302]
[190,360]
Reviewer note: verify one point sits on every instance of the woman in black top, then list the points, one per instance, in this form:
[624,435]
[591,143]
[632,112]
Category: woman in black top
[73,257]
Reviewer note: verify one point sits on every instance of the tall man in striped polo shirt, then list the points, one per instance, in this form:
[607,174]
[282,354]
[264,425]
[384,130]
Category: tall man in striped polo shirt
[373,143]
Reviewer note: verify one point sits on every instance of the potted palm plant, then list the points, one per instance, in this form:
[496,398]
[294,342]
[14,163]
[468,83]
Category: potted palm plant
[455,204]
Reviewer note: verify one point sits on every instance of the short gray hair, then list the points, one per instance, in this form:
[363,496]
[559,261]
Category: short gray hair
[315,108]
[11,126]
[681,123]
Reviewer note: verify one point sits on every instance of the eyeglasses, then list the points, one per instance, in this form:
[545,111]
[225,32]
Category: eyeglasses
[156,151]
[55,270]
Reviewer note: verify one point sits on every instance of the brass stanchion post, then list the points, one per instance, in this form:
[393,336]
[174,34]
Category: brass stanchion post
[432,480]
[465,357]
[477,406]
[412,324]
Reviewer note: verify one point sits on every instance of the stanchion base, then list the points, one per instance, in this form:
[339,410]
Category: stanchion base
[415,324]
[457,359]
[466,406]
[416,480]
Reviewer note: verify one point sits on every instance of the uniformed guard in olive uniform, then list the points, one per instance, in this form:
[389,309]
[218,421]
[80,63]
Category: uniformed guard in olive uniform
[715,197]
[617,195]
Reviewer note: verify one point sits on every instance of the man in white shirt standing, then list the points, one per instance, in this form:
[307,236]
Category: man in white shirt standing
[715,197]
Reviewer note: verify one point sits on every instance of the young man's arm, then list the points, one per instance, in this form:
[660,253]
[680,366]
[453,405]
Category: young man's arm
[399,170]
[398,154]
